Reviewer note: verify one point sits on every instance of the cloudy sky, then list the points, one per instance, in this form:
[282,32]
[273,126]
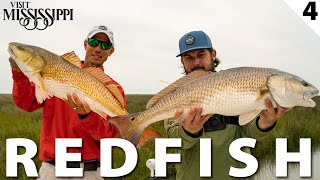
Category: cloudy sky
[265,33]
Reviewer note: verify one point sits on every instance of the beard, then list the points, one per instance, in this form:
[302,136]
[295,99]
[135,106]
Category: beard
[210,68]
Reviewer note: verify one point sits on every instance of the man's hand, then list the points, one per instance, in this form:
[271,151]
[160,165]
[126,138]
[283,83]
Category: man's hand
[14,65]
[269,116]
[193,122]
[81,107]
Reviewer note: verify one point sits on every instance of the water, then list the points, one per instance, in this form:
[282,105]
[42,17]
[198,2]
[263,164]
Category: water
[268,171]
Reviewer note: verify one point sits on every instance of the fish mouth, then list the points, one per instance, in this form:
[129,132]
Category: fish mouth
[308,95]
[10,51]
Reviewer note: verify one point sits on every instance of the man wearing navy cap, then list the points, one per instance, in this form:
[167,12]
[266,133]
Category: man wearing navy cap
[196,52]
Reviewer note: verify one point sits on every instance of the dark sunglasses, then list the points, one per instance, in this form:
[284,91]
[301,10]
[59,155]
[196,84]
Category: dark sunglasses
[95,42]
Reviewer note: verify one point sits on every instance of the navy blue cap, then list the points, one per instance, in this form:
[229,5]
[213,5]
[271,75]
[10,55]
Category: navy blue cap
[194,40]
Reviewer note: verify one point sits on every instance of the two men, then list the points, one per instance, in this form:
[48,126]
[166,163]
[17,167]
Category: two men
[70,118]
[74,119]
[196,52]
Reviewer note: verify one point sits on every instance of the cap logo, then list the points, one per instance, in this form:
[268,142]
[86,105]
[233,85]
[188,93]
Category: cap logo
[189,40]
[103,28]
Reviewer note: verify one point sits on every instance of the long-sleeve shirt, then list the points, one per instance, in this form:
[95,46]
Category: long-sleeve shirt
[189,168]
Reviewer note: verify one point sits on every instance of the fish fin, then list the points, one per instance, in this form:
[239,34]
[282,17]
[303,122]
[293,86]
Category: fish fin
[247,117]
[72,58]
[178,83]
[107,81]
[99,74]
[309,103]
[117,94]
[166,82]
[41,93]
[263,92]
[131,131]
[148,135]
[36,72]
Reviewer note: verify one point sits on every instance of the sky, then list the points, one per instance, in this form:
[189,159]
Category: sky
[265,33]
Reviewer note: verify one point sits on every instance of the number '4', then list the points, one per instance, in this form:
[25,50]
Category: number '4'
[310,10]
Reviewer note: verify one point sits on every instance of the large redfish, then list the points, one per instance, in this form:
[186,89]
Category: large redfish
[238,91]
[58,76]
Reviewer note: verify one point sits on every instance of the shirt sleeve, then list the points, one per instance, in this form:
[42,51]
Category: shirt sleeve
[23,92]
[175,130]
[252,130]
[97,127]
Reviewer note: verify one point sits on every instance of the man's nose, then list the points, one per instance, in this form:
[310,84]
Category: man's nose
[98,48]
[196,62]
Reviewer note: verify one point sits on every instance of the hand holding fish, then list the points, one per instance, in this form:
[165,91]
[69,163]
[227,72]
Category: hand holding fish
[270,115]
[193,121]
[14,65]
[81,107]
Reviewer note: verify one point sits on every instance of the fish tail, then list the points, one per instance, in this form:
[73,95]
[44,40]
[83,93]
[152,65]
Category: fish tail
[133,132]
[147,135]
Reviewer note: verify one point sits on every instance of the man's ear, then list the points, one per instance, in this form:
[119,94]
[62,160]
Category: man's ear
[85,44]
[111,51]
[214,54]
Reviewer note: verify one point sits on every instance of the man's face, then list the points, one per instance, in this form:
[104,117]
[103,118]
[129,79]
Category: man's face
[198,59]
[95,56]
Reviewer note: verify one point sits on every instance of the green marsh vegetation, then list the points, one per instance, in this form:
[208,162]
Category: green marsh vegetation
[300,122]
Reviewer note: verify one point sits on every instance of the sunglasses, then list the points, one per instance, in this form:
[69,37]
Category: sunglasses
[95,42]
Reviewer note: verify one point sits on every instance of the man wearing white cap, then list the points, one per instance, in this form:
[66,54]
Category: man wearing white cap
[197,52]
[71,118]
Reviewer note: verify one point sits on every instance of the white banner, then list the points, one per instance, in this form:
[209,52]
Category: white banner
[307,10]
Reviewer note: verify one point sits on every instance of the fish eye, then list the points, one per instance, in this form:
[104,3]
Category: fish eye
[305,84]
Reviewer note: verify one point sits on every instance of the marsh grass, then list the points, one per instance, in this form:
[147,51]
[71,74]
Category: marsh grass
[301,122]
[15,123]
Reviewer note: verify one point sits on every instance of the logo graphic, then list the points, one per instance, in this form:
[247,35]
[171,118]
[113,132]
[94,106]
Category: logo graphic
[32,19]
[103,28]
[189,40]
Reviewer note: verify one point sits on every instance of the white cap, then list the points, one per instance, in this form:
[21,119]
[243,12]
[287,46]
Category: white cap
[101,29]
